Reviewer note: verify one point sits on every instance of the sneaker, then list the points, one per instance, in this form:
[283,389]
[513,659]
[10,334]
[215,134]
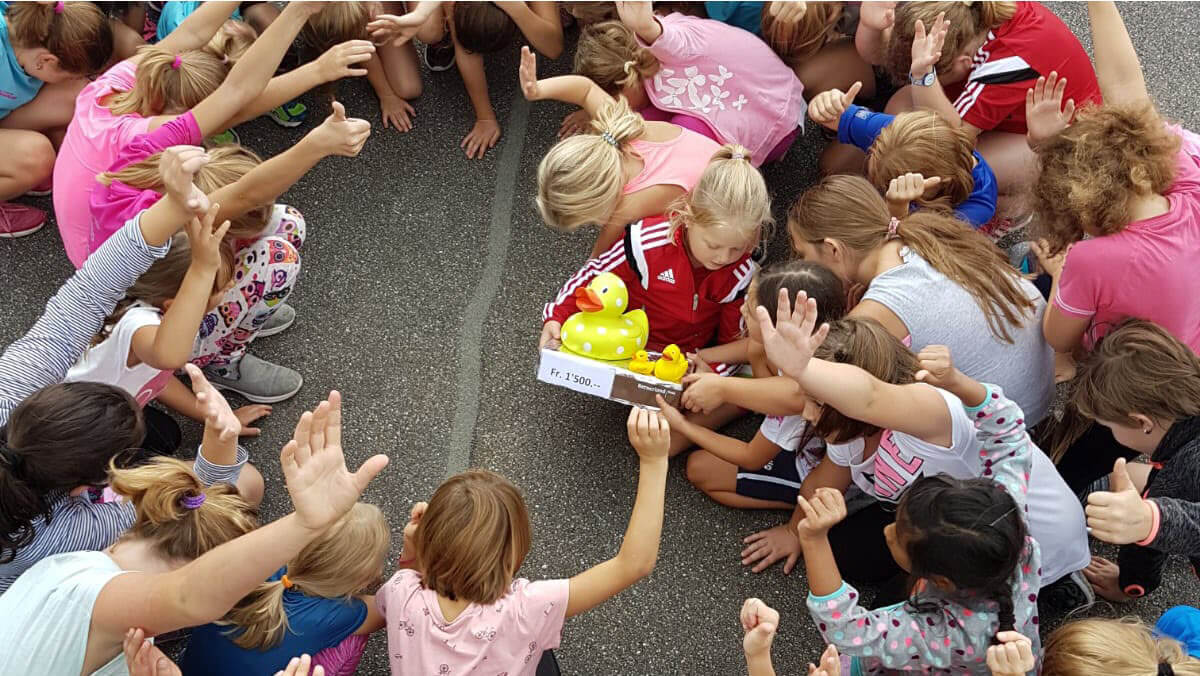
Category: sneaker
[440,55]
[1068,594]
[226,137]
[290,114]
[18,220]
[258,380]
[279,322]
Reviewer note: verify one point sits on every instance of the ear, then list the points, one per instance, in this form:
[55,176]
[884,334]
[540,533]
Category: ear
[46,61]
[942,582]
[1144,422]
[166,304]
[962,63]
[834,249]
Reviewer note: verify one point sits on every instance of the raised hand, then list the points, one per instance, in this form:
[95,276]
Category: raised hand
[176,169]
[635,14]
[649,433]
[787,12]
[825,510]
[206,240]
[300,666]
[1052,263]
[339,60]
[791,342]
[831,662]
[1119,515]
[827,107]
[1012,656]
[1045,113]
[760,623]
[218,416]
[927,47]
[907,188]
[398,29]
[321,487]
[527,72]
[144,659]
[340,135]
[877,15]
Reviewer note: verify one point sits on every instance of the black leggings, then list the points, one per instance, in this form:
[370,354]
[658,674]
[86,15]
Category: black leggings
[862,553]
[548,665]
[1091,457]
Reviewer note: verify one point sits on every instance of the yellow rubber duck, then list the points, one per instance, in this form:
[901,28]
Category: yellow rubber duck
[602,329]
[672,365]
[641,363]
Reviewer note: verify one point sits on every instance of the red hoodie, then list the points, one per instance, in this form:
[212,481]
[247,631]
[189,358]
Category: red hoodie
[658,272]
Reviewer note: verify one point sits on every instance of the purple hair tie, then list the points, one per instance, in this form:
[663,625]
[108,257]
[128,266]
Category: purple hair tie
[177,62]
[192,501]
[59,7]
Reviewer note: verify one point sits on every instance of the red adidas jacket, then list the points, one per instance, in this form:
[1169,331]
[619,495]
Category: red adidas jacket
[656,269]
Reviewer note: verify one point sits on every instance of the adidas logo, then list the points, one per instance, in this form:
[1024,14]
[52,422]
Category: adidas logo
[667,276]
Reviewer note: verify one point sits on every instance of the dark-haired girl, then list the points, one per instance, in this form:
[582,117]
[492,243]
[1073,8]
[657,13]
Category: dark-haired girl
[963,541]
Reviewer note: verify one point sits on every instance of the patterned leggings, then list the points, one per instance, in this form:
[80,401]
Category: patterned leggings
[265,271]
[342,659]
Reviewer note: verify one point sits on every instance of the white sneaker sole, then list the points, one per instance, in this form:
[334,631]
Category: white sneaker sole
[22,233]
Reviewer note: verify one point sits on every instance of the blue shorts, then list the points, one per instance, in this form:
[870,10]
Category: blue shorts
[778,481]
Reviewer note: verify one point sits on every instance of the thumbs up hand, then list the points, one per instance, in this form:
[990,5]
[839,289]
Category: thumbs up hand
[827,107]
[1119,515]
[340,135]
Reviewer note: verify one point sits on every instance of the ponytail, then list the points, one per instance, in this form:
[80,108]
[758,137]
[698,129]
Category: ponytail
[609,54]
[967,20]
[580,181]
[1005,615]
[346,559]
[175,510]
[168,81]
[731,193]
[78,34]
[850,210]
[798,41]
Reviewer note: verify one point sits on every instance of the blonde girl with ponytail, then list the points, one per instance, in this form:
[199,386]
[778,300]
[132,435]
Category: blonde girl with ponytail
[625,169]
[46,52]
[922,268]
[180,78]
[316,604]
[191,554]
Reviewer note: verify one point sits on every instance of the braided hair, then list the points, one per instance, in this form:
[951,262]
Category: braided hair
[968,531]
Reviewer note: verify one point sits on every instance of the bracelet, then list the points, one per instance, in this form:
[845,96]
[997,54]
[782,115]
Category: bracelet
[1155,522]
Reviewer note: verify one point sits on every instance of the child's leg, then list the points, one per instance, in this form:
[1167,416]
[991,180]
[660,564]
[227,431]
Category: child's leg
[400,64]
[50,110]
[126,40]
[29,161]
[265,273]
[1015,166]
[721,481]
[722,416]
[259,14]
[836,66]
[342,659]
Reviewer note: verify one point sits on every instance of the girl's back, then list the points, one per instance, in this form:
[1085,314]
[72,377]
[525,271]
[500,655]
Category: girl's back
[509,635]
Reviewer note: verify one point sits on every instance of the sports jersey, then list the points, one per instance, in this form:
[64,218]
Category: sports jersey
[655,266]
[1030,44]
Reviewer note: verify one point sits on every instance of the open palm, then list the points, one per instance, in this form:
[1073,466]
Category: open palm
[790,342]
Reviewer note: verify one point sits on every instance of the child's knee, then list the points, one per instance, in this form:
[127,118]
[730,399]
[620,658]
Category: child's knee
[698,469]
[411,90]
[250,485]
[287,222]
[33,156]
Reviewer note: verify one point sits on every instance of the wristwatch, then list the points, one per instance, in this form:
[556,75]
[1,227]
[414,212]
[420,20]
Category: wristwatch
[926,81]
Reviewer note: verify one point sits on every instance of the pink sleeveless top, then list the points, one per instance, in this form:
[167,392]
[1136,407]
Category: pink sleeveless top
[679,161]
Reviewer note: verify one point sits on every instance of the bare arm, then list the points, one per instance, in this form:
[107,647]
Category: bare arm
[1117,67]
[375,620]
[539,24]
[470,68]
[199,27]
[649,201]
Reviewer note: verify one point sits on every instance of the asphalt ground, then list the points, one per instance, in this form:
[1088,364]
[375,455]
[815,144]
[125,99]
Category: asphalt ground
[424,277]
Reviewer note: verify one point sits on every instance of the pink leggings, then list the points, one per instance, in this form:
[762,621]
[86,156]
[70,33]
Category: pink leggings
[342,659]
[701,127]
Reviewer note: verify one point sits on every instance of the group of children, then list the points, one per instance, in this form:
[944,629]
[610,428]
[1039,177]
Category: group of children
[905,364]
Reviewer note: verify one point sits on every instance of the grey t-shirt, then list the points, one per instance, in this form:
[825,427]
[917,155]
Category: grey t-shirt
[939,312]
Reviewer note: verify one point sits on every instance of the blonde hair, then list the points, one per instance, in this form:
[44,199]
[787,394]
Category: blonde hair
[609,54]
[850,210]
[923,142]
[337,22]
[473,537]
[160,87]
[580,180]
[80,36]
[796,42]
[967,21]
[346,559]
[227,164]
[157,490]
[1092,170]
[731,193]
[231,42]
[1139,368]
[1124,647]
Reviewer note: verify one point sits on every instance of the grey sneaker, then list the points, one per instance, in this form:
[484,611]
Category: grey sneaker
[256,379]
[279,322]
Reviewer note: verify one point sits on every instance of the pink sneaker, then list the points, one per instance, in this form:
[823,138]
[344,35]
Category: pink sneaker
[42,189]
[18,220]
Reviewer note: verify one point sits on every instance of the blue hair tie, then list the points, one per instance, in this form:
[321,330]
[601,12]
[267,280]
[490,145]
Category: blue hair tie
[612,140]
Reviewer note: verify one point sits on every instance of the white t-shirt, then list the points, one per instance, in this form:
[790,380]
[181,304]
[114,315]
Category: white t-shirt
[107,362]
[786,432]
[1056,518]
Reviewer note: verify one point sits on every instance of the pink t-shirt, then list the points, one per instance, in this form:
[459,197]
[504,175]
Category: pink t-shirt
[729,78]
[1148,270]
[94,138]
[507,636]
[113,205]
[679,161]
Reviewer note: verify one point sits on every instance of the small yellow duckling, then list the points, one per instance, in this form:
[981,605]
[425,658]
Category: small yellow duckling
[641,363]
[672,365]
